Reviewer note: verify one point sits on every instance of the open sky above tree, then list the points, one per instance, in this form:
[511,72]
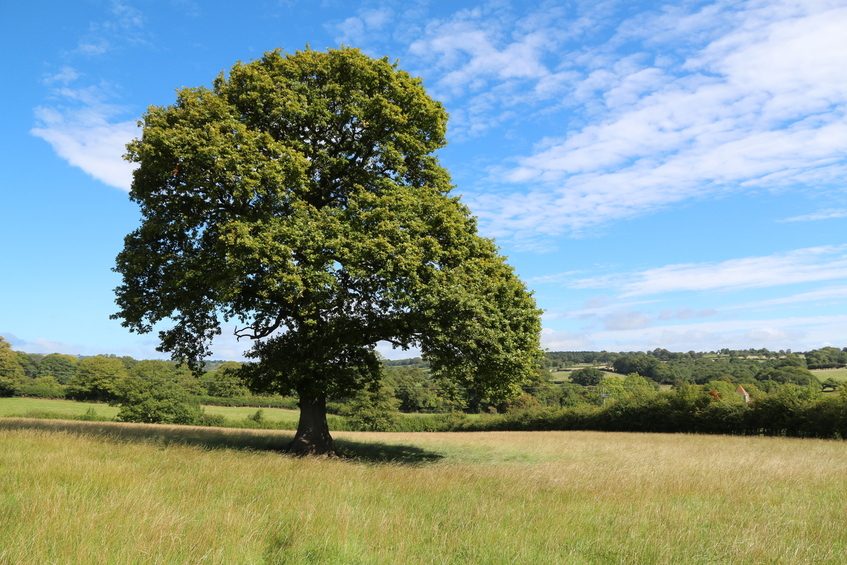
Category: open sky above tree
[661,175]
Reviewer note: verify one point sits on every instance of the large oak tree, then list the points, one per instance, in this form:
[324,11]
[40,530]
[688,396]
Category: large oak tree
[300,199]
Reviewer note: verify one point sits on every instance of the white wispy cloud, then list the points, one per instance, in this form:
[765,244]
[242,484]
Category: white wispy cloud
[123,24]
[822,215]
[83,131]
[355,30]
[82,124]
[829,294]
[685,313]
[800,333]
[627,320]
[812,264]
[498,63]
[758,101]
[554,340]
[556,278]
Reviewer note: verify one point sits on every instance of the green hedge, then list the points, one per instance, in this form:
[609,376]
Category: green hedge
[788,412]
[250,401]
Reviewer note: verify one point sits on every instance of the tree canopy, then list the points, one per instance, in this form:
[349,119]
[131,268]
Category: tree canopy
[97,378]
[11,371]
[300,199]
[588,376]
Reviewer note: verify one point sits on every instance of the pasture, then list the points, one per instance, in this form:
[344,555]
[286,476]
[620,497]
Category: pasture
[95,492]
[16,406]
[35,406]
[837,374]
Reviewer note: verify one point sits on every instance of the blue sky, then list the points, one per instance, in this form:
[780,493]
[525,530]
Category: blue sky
[660,174]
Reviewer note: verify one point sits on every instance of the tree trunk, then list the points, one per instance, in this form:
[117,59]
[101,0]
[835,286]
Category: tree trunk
[312,437]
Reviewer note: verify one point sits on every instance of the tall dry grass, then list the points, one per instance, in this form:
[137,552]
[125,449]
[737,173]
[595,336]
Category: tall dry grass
[91,493]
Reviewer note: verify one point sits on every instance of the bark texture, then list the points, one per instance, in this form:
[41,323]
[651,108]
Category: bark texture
[312,437]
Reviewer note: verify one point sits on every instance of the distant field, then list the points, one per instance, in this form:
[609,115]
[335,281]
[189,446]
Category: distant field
[81,493]
[241,412]
[24,406]
[565,375]
[823,374]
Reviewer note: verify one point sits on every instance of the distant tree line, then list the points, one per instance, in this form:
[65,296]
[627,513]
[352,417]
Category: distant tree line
[788,410]
[604,390]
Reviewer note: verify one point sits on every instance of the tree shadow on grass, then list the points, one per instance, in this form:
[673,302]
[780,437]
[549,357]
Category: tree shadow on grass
[220,438]
[373,452]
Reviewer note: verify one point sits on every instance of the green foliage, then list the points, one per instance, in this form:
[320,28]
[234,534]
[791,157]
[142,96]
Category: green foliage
[301,193]
[432,422]
[790,374]
[226,381]
[725,391]
[524,401]
[788,410]
[826,358]
[61,367]
[540,390]
[636,382]
[589,376]
[645,365]
[29,362]
[99,378]
[417,391]
[215,420]
[783,410]
[373,410]
[831,383]
[157,402]
[11,370]
[43,387]
[289,402]
[157,370]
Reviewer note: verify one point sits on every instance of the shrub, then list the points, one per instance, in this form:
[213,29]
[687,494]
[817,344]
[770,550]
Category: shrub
[98,378]
[289,402]
[212,420]
[157,402]
[226,381]
[42,387]
[588,376]
[373,411]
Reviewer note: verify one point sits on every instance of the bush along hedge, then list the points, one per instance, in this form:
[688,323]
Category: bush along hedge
[788,411]
[250,401]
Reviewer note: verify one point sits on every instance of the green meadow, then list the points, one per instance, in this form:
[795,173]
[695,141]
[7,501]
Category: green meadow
[837,374]
[103,492]
[23,407]
[35,407]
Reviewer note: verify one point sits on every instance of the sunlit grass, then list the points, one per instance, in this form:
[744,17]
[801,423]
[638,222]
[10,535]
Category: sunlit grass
[22,406]
[25,406]
[242,412]
[837,374]
[81,492]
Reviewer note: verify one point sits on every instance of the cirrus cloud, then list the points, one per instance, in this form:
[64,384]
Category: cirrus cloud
[812,264]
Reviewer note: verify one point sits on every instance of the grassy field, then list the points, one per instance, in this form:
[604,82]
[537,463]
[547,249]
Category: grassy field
[565,375]
[241,412]
[837,374]
[25,406]
[88,492]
